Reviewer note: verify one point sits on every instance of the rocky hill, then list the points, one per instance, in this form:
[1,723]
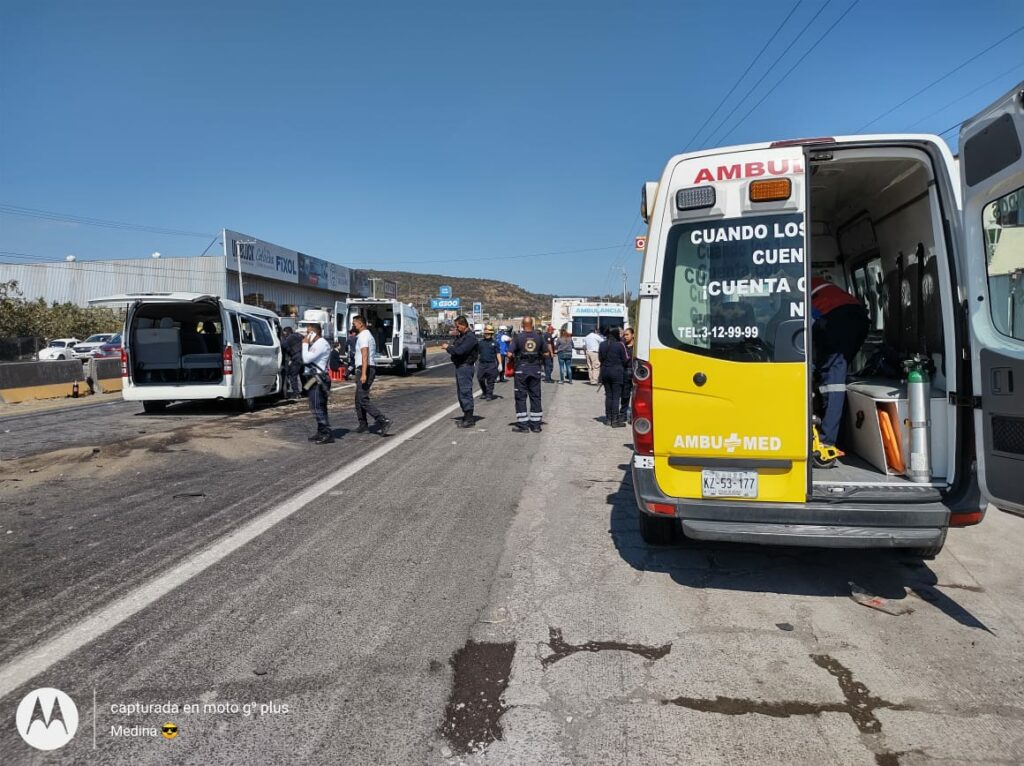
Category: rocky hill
[498,298]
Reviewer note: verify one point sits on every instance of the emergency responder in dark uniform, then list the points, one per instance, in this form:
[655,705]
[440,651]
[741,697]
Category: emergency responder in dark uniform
[487,363]
[840,325]
[351,353]
[528,351]
[463,351]
[291,348]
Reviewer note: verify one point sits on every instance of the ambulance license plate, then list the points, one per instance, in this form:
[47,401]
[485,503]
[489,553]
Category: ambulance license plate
[728,483]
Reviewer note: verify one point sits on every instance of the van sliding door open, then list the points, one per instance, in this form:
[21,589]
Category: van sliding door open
[992,181]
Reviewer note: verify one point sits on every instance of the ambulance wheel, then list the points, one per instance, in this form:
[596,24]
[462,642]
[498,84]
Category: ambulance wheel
[151,407]
[423,361]
[657,531]
[402,368]
[931,551]
[247,404]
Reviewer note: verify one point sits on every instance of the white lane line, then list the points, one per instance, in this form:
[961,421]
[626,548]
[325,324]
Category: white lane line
[48,653]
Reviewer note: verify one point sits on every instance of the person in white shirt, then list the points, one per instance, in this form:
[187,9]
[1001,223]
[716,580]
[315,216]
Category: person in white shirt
[593,341]
[366,371]
[315,353]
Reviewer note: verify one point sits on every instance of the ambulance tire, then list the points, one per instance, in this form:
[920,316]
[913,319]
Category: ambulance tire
[150,407]
[423,360]
[931,551]
[246,404]
[658,531]
[402,368]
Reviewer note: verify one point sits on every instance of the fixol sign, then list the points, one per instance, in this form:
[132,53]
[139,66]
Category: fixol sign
[259,257]
[446,304]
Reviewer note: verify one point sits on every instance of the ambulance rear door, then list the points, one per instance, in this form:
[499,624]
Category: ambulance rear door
[992,180]
[729,372]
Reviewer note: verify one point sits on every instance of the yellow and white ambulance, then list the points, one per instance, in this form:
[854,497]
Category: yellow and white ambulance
[724,394]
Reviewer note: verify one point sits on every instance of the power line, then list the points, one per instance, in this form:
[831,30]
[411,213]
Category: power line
[972,92]
[49,215]
[791,69]
[378,264]
[775,63]
[931,85]
[740,78]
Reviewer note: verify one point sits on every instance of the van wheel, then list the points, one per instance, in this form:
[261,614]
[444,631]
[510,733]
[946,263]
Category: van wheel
[402,368]
[931,551]
[247,404]
[657,531]
[423,361]
[152,407]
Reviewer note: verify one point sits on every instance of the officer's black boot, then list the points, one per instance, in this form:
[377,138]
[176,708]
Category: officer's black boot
[468,421]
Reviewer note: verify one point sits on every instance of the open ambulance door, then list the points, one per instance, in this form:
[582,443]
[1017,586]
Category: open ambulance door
[992,182]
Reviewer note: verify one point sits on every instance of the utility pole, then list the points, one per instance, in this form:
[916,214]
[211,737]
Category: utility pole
[624,278]
[238,259]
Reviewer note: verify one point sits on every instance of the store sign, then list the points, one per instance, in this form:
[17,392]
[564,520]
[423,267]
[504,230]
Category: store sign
[446,303]
[316,272]
[260,258]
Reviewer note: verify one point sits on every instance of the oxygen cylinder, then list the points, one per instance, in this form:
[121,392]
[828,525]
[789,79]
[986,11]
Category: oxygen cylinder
[919,399]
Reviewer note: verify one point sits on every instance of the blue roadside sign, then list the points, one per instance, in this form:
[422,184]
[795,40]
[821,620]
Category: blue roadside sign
[478,308]
[446,304]
[445,291]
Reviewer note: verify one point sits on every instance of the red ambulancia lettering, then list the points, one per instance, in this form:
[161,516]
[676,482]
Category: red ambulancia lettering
[748,170]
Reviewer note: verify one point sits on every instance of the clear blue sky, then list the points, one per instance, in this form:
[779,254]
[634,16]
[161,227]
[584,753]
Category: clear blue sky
[401,134]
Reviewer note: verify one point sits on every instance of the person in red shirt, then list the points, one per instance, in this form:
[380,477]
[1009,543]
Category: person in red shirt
[839,327]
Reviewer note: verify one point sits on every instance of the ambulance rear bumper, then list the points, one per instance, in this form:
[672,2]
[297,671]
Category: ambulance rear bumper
[816,523]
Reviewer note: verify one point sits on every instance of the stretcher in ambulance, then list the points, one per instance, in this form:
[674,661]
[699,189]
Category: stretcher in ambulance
[726,396]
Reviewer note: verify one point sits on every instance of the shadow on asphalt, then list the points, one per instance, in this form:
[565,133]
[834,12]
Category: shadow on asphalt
[825,572]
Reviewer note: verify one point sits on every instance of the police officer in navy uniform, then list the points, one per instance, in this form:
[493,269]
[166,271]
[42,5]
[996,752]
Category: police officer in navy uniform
[528,351]
[464,351]
[487,363]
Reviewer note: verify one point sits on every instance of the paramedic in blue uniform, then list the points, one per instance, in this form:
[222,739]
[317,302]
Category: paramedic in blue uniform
[528,351]
[487,363]
[839,327]
[503,340]
[463,351]
[315,353]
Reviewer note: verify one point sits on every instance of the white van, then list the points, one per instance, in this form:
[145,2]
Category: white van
[189,346]
[724,386]
[395,327]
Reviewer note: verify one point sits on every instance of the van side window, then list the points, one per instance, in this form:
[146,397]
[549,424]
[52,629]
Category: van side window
[261,331]
[1003,223]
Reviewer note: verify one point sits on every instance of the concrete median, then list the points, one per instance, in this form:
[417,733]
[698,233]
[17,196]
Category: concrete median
[24,381]
[105,375]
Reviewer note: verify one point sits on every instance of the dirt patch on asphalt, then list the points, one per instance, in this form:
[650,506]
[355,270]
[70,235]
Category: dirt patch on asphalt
[125,457]
[472,718]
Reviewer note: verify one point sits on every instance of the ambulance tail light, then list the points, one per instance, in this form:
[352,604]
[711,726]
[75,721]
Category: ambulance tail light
[643,408]
[666,509]
[770,190]
[229,360]
[695,198]
[124,363]
[965,519]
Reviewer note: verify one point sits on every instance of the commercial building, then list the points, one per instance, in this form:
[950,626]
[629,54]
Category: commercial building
[272,276]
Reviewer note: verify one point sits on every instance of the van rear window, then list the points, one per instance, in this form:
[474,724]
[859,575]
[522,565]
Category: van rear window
[734,288]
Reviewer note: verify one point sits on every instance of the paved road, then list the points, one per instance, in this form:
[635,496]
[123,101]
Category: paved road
[478,596]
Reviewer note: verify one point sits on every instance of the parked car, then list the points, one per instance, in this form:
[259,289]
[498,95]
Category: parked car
[58,349]
[87,348]
[112,348]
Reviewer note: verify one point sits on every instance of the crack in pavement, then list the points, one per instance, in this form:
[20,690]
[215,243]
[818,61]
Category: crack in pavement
[560,648]
[858,703]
